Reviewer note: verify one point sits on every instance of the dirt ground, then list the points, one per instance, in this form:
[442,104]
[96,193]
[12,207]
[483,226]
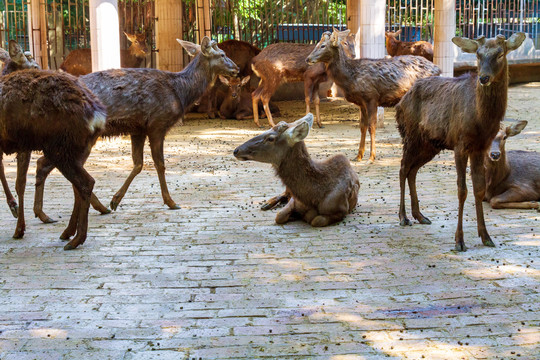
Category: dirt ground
[219,279]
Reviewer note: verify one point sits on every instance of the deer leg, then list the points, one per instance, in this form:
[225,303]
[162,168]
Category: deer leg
[332,209]
[71,229]
[479,189]
[276,201]
[317,101]
[372,123]
[43,169]
[255,103]
[284,214]
[83,184]
[420,161]
[363,128]
[156,146]
[513,199]
[137,151]
[461,167]
[9,196]
[23,160]
[266,106]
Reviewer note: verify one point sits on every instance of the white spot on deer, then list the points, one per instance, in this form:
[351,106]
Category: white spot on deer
[98,122]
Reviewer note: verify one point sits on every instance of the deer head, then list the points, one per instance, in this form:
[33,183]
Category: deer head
[328,46]
[218,62]
[19,57]
[235,84]
[497,149]
[138,46]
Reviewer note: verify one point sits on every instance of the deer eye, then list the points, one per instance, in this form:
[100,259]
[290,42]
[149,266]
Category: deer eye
[323,46]
[504,137]
[271,138]
[222,55]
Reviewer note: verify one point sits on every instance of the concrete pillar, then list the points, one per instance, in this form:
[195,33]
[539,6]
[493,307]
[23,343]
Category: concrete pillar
[204,19]
[366,18]
[104,34]
[445,30]
[37,26]
[168,29]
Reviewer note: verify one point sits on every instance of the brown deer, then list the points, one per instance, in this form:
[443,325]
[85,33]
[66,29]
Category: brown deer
[79,61]
[14,60]
[369,83]
[147,103]
[461,114]
[323,192]
[285,62]
[237,101]
[35,107]
[395,47]
[513,177]
[241,53]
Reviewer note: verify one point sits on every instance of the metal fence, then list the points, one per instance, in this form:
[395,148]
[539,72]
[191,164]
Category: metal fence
[413,17]
[14,22]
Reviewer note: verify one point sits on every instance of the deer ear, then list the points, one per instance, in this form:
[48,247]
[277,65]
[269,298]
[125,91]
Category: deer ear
[130,37]
[516,128]
[206,45]
[397,32]
[224,80]
[515,41]
[14,48]
[299,129]
[334,39]
[245,80]
[191,48]
[467,45]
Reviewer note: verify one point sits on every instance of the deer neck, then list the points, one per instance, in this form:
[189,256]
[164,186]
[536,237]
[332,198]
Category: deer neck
[192,82]
[491,100]
[339,66]
[297,169]
[391,45]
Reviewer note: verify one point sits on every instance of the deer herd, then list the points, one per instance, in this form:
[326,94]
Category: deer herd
[62,116]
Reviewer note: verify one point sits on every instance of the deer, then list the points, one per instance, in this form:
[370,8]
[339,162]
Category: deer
[241,53]
[237,102]
[513,177]
[369,83]
[285,62]
[395,47]
[36,106]
[323,192]
[461,114]
[79,62]
[147,103]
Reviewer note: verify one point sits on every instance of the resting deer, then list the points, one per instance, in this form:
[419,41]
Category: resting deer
[285,62]
[323,192]
[148,103]
[460,114]
[395,47]
[369,83]
[35,107]
[512,177]
[79,62]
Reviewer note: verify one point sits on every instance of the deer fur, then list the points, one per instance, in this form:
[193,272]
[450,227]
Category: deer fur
[148,102]
[323,192]
[395,47]
[286,62]
[35,107]
[237,101]
[512,177]
[369,83]
[79,62]
[461,114]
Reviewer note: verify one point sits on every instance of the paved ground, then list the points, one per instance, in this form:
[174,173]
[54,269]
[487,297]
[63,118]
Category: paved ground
[218,279]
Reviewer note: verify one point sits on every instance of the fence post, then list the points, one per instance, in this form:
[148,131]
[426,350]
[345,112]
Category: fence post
[204,19]
[366,18]
[445,30]
[36,33]
[104,34]
[168,29]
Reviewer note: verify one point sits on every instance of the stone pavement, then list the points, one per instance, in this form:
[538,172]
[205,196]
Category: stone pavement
[219,279]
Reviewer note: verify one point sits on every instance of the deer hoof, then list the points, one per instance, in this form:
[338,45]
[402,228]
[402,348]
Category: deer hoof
[460,246]
[14,210]
[424,220]
[174,207]
[114,205]
[48,220]
[19,233]
[70,246]
[487,242]
[105,212]
[405,222]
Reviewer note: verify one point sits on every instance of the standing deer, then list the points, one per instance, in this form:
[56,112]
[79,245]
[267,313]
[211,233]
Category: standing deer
[513,177]
[285,62]
[147,103]
[394,47]
[51,112]
[79,61]
[323,192]
[14,60]
[461,114]
[369,83]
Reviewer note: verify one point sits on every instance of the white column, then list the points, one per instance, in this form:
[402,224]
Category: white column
[104,34]
[371,28]
[445,30]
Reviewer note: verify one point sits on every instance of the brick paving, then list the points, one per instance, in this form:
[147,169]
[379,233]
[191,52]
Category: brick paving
[219,279]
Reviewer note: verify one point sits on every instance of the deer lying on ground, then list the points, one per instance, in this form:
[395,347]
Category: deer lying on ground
[323,192]
[14,60]
[147,103]
[461,114]
[35,107]
[513,177]
[241,53]
[394,47]
[237,101]
[285,62]
[79,62]
[369,83]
